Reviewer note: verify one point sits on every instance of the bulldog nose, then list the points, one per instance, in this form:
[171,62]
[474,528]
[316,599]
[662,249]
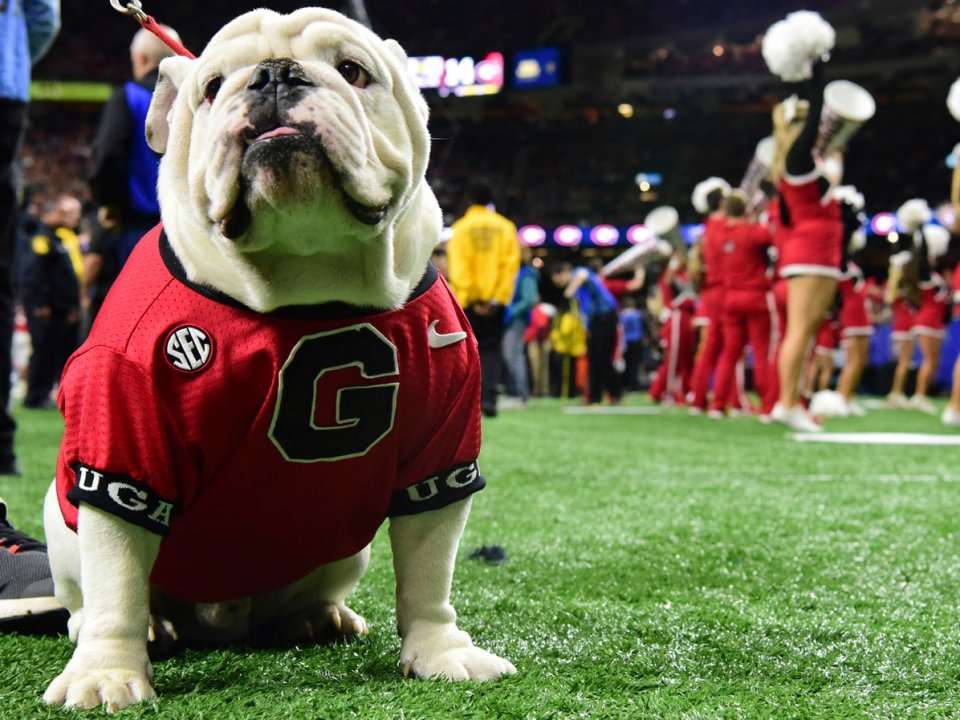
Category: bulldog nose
[277,73]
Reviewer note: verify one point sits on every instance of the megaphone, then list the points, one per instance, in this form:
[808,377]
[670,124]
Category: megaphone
[664,222]
[757,171]
[846,107]
[649,247]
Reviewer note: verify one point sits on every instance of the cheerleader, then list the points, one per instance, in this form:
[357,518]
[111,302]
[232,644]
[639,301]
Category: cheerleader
[821,366]
[929,324]
[795,49]
[708,199]
[951,413]
[811,256]
[853,326]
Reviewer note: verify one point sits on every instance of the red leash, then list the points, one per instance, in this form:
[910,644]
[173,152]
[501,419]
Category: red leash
[134,8]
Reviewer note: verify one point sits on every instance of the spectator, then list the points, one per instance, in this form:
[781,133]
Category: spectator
[124,174]
[598,308]
[632,322]
[51,298]
[538,343]
[525,298]
[27,29]
[484,256]
[439,259]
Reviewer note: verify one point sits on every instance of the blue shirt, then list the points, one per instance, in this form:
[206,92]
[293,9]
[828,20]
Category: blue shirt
[143,164]
[27,30]
[632,322]
[593,297]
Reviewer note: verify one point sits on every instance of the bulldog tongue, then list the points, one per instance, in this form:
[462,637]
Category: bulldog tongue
[277,132]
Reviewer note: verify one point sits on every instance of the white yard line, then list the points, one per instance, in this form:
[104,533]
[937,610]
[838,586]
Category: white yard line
[878,438]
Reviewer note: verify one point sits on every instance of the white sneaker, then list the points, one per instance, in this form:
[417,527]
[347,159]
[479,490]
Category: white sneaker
[950,417]
[765,419]
[856,409]
[897,401]
[795,418]
[828,403]
[923,404]
[694,410]
[716,415]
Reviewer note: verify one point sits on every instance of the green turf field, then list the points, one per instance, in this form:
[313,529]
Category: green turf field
[660,567]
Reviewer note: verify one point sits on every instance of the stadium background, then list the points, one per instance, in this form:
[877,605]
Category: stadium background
[659,566]
[635,103]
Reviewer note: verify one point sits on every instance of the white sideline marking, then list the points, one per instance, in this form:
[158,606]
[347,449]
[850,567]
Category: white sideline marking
[609,410]
[878,438]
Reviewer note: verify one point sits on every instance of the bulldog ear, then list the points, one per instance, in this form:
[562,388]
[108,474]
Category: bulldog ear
[397,51]
[400,55]
[173,71]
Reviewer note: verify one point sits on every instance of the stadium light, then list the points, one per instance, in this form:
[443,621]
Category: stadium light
[639,234]
[625,110]
[532,235]
[605,236]
[568,235]
[883,223]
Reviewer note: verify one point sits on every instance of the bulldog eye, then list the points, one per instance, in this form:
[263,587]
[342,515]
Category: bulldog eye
[212,88]
[354,73]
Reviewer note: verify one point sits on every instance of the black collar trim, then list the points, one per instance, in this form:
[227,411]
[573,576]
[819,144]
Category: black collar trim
[323,311]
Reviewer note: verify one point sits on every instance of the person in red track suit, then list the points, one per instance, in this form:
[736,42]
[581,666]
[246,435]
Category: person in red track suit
[677,337]
[710,310]
[746,302]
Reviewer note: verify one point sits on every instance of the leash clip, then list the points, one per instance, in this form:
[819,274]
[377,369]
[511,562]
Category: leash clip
[133,8]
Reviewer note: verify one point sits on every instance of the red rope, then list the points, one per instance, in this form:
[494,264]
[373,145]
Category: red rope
[149,23]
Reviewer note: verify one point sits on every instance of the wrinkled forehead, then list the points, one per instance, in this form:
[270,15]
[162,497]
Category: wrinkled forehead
[309,34]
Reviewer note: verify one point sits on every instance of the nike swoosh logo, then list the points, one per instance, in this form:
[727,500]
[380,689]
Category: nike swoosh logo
[437,340]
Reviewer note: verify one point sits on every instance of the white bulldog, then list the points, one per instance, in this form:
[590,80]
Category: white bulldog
[295,150]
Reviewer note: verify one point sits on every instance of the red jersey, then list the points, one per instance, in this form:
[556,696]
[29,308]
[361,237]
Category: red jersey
[712,251]
[195,418]
[745,256]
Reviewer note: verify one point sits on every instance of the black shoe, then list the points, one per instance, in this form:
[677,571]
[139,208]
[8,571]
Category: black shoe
[492,555]
[27,603]
[10,467]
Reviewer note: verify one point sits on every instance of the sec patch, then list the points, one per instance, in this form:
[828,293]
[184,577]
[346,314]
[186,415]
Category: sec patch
[188,348]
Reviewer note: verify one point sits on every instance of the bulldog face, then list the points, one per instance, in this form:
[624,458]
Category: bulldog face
[295,136]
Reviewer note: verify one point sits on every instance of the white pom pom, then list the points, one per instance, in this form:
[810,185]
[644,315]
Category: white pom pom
[858,241]
[953,100]
[792,45]
[703,190]
[913,215]
[849,195]
[938,240]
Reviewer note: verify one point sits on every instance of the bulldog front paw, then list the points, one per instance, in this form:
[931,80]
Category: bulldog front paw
[323,624]
[450,654]
[112,681]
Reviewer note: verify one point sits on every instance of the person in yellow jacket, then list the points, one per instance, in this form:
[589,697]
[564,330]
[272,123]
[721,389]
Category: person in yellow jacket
[483,257]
